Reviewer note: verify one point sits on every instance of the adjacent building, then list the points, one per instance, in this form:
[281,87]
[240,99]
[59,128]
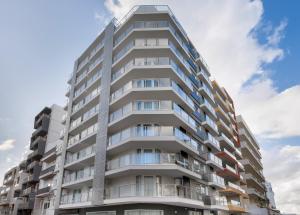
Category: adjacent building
[230,151]
[29,188]
[251,159]
[271,199]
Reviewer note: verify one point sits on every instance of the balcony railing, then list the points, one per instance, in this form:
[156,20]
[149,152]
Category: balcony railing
[211,157]
[151,83]
[76,198]
[213,140]
[155,158]
[86,152]
[84,134]
[155,42]
[215,179]
[154,190]
[72,178]
[87,99]
[211,123]
[235,186]
[153,131]
[153,106]
[150,62]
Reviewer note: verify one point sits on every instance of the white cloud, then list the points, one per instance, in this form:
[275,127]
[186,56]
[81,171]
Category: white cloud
[225,33]
[284,173]
[7,144]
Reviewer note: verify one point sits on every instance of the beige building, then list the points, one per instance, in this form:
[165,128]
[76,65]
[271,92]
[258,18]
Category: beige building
[230,153]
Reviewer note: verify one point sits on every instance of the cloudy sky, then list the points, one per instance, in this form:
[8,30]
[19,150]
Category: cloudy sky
[252,48]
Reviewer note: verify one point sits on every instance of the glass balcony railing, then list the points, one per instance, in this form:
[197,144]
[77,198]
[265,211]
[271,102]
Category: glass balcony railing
[206,89]
[215,179]
[79,175]
[152,83]
[211,157]
[153,61]
[158,24]
[211,122]
[83,134]
[209,106]
[86,100]
[227,140]
[152,158]
[87,115]
[156,42]
[213,140]
[154,190]
[86,152]
[78,197]
[153,131]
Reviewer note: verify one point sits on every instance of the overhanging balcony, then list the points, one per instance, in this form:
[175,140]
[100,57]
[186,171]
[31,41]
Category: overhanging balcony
[161,112]
[152,136]
[170,194]
[162,163]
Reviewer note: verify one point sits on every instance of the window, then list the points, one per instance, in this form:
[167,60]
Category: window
[46,205]
[143,212]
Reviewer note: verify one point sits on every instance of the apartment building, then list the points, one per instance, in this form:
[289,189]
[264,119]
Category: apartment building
[30,188]
[140,135]
[271,200]
[6,192]
[251,159]
[50,161]
[230,153]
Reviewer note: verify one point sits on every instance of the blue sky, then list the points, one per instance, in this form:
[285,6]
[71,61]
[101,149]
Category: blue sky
[41,39]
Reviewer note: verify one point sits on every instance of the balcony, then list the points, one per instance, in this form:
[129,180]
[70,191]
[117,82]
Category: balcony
[37,153]
[84,157]
[50,155]
[41,130]
[43,191]
[229,173]
[32,165]
[92,82]
[210,125]
[143,44]
[70,181]
[161,112]
[236,206]
[206,92]
[212,142]
[155,89]
[77,200]
[228,156]
[213,161]
[152,136]
[226,142]
[224,128]
[216,202]
[37,141]
[215,180]
[146,163]
[47,172]
[206,106]
[253,181]
[233,190]
[84,138]
[170,194]
[139,67]
[252,168]
[255,192]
